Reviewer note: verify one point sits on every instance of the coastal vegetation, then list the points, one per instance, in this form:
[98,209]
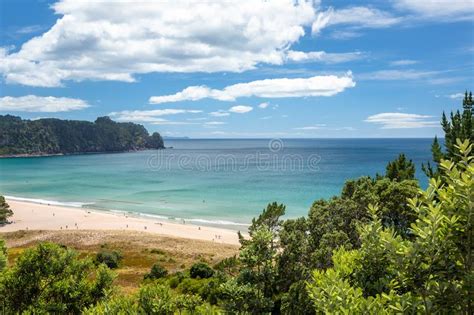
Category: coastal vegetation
[49,136]
[5,211]
[384,245]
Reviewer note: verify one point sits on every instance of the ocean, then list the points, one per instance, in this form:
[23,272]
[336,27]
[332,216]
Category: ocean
[224,182]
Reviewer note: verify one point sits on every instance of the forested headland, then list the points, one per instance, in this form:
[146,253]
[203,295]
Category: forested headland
[50,136]
[383,246]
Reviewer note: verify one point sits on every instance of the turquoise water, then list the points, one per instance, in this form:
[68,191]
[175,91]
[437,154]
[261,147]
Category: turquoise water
[217,182]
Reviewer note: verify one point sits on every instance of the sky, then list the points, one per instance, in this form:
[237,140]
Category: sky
[240,69]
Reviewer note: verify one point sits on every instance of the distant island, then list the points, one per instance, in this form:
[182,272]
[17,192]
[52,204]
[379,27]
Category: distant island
[51,136]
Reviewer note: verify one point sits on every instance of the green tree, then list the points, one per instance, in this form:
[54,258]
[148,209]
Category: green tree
[5,211]
[201,270]
[458,126]
[430,273]
[400,169]
[111,258]
[156,272]
[51,279]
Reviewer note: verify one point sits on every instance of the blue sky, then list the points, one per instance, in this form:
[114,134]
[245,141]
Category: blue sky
[240,69]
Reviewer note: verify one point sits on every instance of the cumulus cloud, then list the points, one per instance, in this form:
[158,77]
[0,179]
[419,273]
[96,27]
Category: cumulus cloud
[152,116]
[114,40]
[324,57]
[326,85]
[355,17]
[402,121]
[240,109]
[263,105]
[46,104]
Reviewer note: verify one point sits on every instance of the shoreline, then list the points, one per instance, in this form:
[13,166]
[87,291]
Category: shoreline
[36,216]
[40,154]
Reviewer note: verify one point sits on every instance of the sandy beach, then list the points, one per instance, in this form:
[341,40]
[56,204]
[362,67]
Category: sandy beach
[33,216]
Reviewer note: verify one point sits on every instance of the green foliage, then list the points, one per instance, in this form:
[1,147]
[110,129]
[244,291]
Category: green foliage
[430,273]
[3,255]
[201,270]
[118,305]
[156,299]
[458,126]
[270,217]
[110,258]
[400,169]
[160,300]
[51,279]
[5,211]
[228,265]
[156,272]
[55,136]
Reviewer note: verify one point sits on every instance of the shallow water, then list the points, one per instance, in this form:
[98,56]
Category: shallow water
[217,182]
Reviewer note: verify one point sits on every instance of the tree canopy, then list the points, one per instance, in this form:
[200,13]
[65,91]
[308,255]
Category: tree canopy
[459,125]
[56,136]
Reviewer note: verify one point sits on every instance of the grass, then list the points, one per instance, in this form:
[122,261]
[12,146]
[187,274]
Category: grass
[140,250]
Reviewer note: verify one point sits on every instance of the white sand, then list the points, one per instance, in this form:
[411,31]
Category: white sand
[32,216]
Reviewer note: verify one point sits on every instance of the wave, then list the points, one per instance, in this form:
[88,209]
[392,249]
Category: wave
[50,202]
[218,222]
[125,212]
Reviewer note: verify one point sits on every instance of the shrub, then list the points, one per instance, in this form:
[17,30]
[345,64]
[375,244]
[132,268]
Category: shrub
[156,272]
[50,279]
[110,258]
[201,270]
[3,255]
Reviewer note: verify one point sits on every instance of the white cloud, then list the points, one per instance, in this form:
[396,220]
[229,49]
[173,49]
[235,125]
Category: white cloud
[219,113]
[240,109]
[29,29]
[387,75]
[402,121]
[152,116]
[326,85]
[321,56]
[263,105]
[355,17]
[314,127]
[214,123]
[403,62]
[345,34]
[114,40]
[446,10]
[324,127]
[456,96]
[266,117]
[33,103]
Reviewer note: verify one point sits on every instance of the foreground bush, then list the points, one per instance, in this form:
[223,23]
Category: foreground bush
[51,279]
[431,273]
